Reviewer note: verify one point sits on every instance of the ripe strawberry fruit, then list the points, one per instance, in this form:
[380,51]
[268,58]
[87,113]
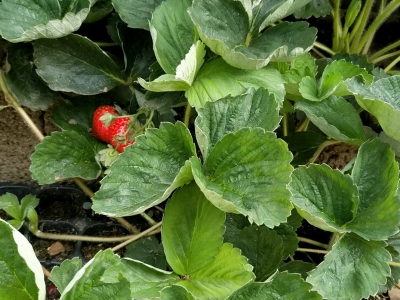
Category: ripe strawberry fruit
[102,118]
[121,133]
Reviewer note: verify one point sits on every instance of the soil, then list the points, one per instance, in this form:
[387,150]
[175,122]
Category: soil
[337,156]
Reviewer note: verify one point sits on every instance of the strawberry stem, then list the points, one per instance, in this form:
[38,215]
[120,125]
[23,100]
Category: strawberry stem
[9,97]
[186,119]
[95,239]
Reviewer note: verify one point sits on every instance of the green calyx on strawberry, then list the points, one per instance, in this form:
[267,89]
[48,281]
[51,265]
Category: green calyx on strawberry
[107,156]
[113,126]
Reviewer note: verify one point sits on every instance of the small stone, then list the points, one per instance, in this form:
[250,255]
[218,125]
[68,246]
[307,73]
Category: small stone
[55,249]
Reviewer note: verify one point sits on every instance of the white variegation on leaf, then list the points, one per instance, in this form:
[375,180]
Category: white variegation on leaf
[381,99]
[24,20]
[238,32]
[185,72]
[21,274]
[217,79]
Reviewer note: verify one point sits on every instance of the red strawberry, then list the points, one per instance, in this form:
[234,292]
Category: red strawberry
[102,118]
[121,133]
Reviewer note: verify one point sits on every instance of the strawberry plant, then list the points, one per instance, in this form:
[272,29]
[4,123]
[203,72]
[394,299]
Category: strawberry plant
[215,112]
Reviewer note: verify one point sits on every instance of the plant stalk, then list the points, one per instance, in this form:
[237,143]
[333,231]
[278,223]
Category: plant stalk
[312,250]
[377,22]
[337,26]
[312,242]
[303,126]
[360,28]
[386,56]
[83,238]
[186,118]
[392,64]
[10,99]
[394,264]
[335,237]
[324,47]
[284,124]
[151,230]
[321,148]
[383,51]
[46,272]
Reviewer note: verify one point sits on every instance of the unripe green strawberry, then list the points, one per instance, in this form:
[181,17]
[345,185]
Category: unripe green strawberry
[101,121]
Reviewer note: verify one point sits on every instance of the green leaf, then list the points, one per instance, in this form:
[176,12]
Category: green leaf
[280,286]
[136,13]
[288,236]
[338,71]
[228,30]
[394,144]
[376,174]
[394,249]
[147,250]
[147,172]
[228,272]
[64,155]
[199,226]
[10,204]
[99,10]
[247,172]
[303,145]
[382,101]
[262,246]
[162,102]
[297,267]
[217,79]
[192,238]
[308,88]
[173,33]
[185,72]
[63,274]
[332,80]
[76,64]
[89,283]
[74,116]
[336,118]
[302,69]
[21,274]
[20,212]
[304,140]
[176,292]
[255,108]
[145,280]
[326,198]
[137,47]
[27,203]
[22,80]
[353,269]
[24,20]
[316,8]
